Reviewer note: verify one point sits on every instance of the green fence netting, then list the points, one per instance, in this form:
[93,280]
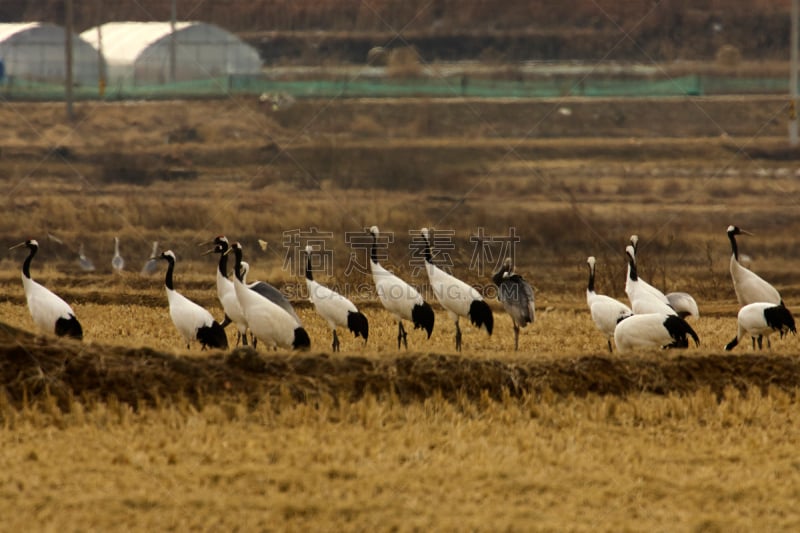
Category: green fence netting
[464,86]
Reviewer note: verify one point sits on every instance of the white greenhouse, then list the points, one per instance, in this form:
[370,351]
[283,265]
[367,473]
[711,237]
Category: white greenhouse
[139,53]
[34,51]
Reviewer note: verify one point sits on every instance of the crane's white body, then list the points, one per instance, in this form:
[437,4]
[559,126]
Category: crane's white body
[267,321]
[452,293]
[760,320]
[642,331]
[751,322]
[226,293]
[45,306]
[187,316]
[683,303]
[606,312]
[751,288]
[397,296]
[330,305]
[645,331]
[644,298]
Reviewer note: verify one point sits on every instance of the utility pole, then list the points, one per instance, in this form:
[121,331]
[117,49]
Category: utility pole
[793,73]
[68,46]
[101,64]
[172,44]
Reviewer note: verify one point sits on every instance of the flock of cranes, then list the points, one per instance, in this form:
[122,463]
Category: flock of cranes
[653,320]
[656,320]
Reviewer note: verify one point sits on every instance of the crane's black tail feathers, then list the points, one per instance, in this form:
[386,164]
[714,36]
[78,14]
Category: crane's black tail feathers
[213,336]
[422,316]
[780,319]
[301,339]
[480,314]
[679,329]
[69,327]
[358,324]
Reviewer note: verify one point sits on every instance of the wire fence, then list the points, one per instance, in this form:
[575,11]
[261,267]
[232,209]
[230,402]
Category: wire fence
[463,86]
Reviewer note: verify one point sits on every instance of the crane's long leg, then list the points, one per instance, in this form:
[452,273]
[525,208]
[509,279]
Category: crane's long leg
[610,350]
[335,341]
[516,337]
[760,342]
[458,337]
[401,335]
[243,337]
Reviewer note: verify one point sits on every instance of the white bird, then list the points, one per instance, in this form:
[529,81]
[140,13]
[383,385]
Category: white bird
[682,302]
[334,308]
[516,295]
[606,311]
[192,321]
[117,262]
[151,265]
[84,262]
[749,287]
[226,292]
[49,312]
[643,300]
[398,297]
[458,298]
[267,321]
[653,330]
[762,319]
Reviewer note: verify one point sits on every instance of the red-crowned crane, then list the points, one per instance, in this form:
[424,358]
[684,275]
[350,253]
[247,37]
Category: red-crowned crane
[191,320]
[606,311]
[682,302]
[762,319]
[402,300]
[458,298]
[49,312]
[268,321]
[337,310]
[749,287]
[653,330]
[643,300]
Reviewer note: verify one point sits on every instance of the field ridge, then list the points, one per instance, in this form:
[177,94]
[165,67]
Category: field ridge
[37,368]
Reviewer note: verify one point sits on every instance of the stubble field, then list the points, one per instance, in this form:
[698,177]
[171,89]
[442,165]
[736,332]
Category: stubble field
[128,430]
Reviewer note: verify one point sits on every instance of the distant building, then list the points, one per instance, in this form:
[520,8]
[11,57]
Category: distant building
[34,51]
[138,53]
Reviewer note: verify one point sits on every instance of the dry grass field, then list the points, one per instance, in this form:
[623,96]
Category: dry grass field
[128,430]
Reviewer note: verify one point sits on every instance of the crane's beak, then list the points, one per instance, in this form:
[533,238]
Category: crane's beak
[743,232]
[229,250]
[211,251]
[205,243]
[17,246]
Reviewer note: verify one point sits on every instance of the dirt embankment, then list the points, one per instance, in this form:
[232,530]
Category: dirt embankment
[36,369]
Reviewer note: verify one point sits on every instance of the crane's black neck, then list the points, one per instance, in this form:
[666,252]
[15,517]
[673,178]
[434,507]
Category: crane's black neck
[223,258]
[590,288]
[373,252]
[170,269]
[632,265]
[237,253]
[734,247]
[427,250]
[309,276]
[26,266]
